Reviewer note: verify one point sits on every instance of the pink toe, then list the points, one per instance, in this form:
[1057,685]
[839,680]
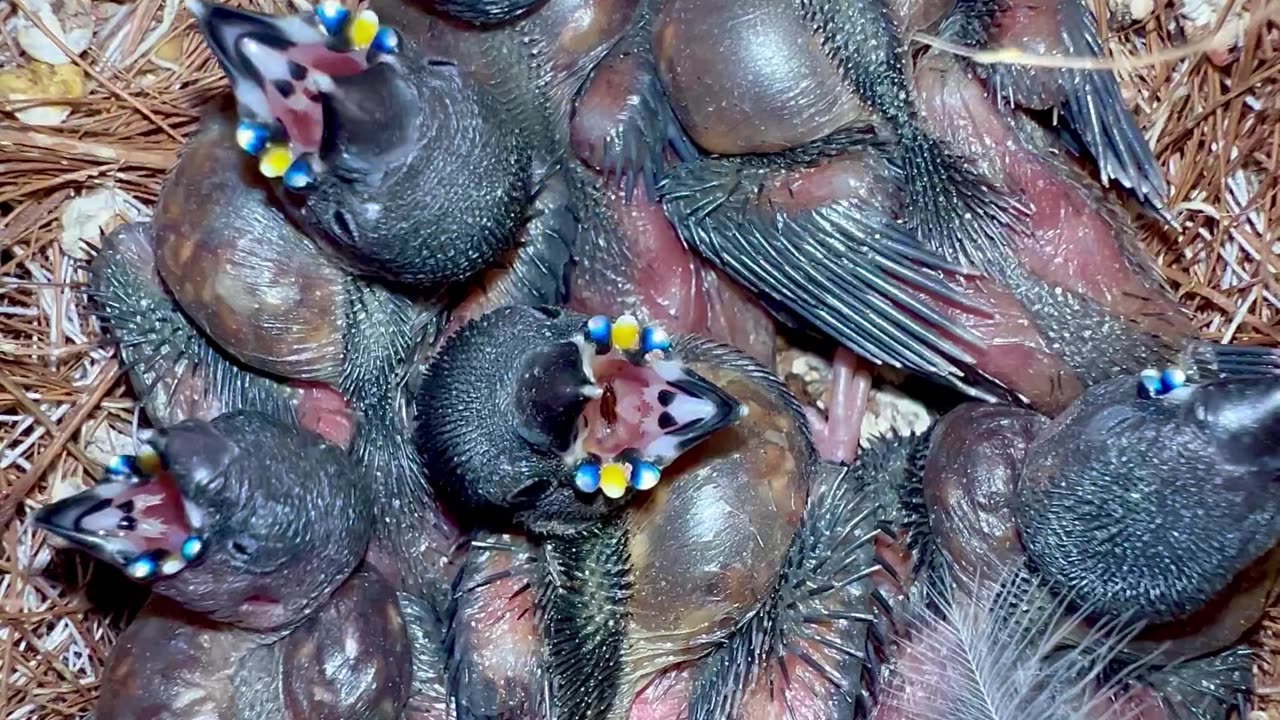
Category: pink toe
[850,385]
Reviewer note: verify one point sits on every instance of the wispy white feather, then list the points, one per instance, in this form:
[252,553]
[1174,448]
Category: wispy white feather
[1002,648]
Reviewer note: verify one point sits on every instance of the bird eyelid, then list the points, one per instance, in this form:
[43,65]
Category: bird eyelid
[1111,421]
[195,452]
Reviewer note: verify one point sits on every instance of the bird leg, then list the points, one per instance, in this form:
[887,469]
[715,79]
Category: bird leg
[836,434]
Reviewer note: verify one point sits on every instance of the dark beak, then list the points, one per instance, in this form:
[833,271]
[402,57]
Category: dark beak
[1244,417]
[699,408]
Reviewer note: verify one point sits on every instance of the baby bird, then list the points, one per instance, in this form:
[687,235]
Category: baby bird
[219,304]
[626,257]
[654,532]
[251,534]
[505,90]
[1140,504]
[379,146]
[805,211]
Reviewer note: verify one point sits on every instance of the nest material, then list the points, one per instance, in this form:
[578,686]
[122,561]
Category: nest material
[1207,105]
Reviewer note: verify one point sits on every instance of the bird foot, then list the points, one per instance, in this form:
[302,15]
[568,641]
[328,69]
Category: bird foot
[837,434]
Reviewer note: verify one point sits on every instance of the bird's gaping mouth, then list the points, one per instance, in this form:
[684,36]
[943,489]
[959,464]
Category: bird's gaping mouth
[137,520]
[279,69]
[646,408]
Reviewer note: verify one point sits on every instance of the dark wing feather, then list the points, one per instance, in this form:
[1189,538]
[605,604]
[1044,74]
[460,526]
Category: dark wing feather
[848,269]
[1088,102]
[1208,361]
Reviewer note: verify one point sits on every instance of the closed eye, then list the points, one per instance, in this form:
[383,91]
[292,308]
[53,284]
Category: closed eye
[1111,420]
[242,549]
[526,493]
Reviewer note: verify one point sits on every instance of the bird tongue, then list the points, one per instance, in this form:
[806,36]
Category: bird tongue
[294,102]
[637,406]
[142,525]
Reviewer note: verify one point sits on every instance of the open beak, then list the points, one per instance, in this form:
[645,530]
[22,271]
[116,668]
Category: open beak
[136,520]
[646,409]
[279,68]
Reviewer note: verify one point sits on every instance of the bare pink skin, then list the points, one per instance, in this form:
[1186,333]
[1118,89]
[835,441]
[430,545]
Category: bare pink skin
[858,175]
[1078,240]
[603,107]
[664,282]
[498,635]
[798,691]
[836,435]
[649,272]
[325,412]
[1014,352]
[505,624]
[667,277]
[665,696]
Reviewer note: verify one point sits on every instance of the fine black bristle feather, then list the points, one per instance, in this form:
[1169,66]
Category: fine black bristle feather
[425,627]
[953,209]
[634,151]
[1202,688]
[584,595]
[473,692]
[825,614]
[158,344]
[1209,361]
[1089,104]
